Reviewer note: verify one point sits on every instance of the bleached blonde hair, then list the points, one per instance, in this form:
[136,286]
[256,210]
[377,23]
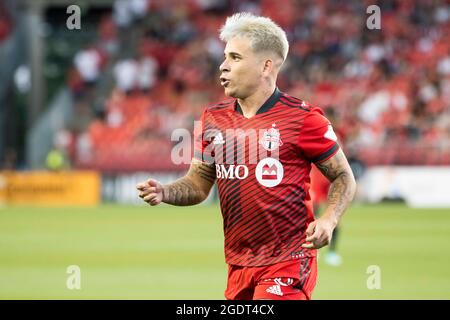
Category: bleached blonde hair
[264,34]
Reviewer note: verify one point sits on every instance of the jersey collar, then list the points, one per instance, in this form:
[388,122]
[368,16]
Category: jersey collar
[273,99]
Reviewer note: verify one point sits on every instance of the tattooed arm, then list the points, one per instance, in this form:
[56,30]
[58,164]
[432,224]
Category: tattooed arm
[340,194]
[343,185]
[191,189]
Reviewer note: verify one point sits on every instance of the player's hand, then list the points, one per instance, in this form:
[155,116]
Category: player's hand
[151,191]
[319,233]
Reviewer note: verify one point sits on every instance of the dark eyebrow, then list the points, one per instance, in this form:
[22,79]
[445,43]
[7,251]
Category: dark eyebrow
[233,54]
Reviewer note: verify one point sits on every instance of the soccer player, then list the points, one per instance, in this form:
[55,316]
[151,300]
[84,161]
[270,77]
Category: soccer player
[271,236]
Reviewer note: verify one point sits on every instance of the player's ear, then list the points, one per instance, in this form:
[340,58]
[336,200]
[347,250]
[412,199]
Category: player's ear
[268,66]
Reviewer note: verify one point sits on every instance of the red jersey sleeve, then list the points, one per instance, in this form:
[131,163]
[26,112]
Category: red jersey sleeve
[317,138]
[202,140]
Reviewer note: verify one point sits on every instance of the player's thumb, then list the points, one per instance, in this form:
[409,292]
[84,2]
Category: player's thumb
[311,228]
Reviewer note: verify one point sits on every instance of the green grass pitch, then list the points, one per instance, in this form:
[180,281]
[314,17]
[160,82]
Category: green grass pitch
[169,252]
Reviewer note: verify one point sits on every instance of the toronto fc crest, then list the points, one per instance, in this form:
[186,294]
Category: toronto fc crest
[271,139]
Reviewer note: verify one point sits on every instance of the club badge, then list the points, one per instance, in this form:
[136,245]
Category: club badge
[271,139]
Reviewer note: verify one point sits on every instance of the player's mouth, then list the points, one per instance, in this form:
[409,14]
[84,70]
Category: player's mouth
[224,82]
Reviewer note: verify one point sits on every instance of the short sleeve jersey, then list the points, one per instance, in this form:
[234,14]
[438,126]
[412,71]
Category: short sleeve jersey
[262,167]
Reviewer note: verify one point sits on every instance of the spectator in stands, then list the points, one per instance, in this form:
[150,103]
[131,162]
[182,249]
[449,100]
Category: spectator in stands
[126,74]
[127,11]
[148,72]
[56,160]
[88,64]
[392,86]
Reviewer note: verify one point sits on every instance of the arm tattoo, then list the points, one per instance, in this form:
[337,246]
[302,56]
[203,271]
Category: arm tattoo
[343,185]
[332,167]
[192,188]
[205,171]
[182,192]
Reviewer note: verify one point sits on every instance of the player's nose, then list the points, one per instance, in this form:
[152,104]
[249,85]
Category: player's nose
[224,67]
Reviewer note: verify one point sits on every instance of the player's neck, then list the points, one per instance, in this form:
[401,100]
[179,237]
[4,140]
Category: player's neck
[251,104]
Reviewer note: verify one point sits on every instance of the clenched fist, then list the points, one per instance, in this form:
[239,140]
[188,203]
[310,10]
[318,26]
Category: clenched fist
[319,233]
[151,191]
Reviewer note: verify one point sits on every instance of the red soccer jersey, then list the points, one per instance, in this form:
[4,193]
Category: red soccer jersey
[262,168]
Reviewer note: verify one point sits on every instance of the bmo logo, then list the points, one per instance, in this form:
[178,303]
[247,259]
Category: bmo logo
[232,172]
[269,172]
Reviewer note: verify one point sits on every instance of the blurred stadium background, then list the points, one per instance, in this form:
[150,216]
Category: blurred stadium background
[87,113]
